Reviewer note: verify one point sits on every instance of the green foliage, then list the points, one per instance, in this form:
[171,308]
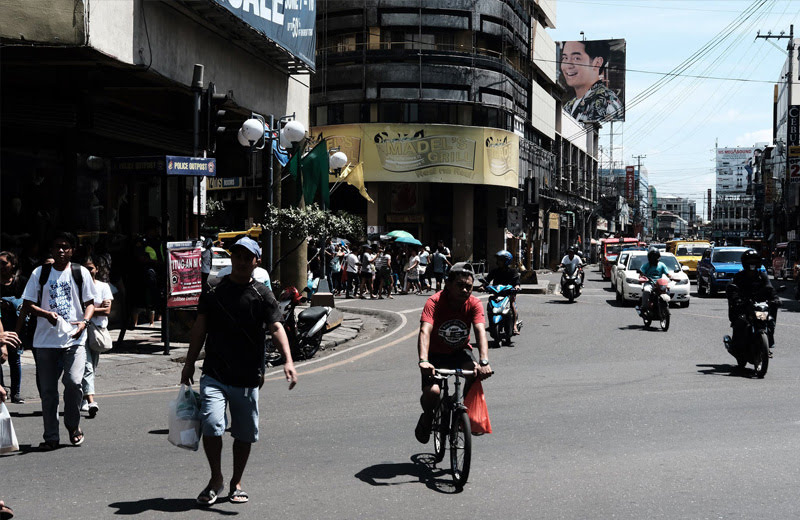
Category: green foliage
[313,221]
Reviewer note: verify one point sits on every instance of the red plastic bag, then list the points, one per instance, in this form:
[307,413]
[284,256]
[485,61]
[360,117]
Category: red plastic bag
[475,401]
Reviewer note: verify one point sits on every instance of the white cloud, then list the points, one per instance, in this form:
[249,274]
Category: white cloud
[751,138]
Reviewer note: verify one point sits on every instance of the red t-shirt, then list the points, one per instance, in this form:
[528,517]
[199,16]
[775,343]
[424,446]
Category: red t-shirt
[451,326]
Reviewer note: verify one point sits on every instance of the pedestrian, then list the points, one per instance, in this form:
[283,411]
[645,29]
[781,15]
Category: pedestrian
[351,265]
[423,268]
[412,272]
[12,284]
[102,310]
[445,251]
[440,265]
[61,297]
[367,272]
[232,319]
[206,257]
[384,273]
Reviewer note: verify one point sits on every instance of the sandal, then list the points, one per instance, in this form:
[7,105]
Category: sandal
[6,513]
[208,496]
[76,437]
[238,496]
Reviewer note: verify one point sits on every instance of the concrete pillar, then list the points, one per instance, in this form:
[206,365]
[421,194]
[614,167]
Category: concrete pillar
[495,198]
[373,209]
[463,222]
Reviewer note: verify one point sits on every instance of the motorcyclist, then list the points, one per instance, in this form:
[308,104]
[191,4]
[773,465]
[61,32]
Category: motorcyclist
[652,269]
[747,285]
[504,274]
[573,259]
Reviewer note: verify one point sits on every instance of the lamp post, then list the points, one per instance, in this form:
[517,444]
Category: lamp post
[256,133]
[336,162]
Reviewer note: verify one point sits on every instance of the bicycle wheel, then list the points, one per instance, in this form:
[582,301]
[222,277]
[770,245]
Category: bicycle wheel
[439,430]
[460,448]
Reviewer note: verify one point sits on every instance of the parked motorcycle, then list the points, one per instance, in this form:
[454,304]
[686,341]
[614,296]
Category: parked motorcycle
[658,305]
[754,348]
[304,330]
[571,282]
[499,315]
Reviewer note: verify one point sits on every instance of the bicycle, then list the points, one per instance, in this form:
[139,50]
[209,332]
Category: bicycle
[450,419]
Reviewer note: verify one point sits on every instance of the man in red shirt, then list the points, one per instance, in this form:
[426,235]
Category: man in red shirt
[443,340]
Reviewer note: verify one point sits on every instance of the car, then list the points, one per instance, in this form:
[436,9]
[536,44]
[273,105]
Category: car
[220,259]
[717,267]
[630,289]
[621,260]
[688,252]
[662,248]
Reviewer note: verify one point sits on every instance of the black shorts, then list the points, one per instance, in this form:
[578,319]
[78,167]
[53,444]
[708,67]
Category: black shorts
[439,276]
[367,277]
[457,359]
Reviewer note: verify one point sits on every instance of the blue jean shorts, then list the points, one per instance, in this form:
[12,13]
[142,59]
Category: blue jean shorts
[243,404]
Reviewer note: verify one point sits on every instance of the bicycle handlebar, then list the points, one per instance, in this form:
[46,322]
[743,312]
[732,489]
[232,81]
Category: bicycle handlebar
[459,372]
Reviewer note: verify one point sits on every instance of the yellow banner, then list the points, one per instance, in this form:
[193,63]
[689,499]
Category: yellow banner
[428,153]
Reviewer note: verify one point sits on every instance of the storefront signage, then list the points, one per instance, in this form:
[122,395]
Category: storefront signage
[630,182]
[289,23]
[224,183]
[792,141]
[185,281]
[165,165]
[429,153]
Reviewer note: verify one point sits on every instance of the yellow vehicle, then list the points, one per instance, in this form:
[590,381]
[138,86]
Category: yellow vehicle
[688,253]
[228,238]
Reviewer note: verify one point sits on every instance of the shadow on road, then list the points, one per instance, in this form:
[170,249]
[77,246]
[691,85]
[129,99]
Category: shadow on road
[162,431]
[636,326]
[422,469]
[725,370]
[165,505]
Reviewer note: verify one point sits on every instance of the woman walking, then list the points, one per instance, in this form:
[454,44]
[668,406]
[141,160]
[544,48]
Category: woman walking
[11,286]
[102,309]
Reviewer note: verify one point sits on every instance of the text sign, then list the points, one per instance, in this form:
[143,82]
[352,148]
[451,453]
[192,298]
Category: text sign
[201,166]
[289,23]
[185,280]
[165,165]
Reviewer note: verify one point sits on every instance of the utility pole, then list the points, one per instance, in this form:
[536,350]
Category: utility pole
[789,81]
[636,201]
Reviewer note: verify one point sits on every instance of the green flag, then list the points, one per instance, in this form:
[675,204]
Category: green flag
[293,168]
[315,169]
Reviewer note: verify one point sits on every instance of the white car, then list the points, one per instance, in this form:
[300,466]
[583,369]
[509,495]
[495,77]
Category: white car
[220,259]
[622,259]
[629,289]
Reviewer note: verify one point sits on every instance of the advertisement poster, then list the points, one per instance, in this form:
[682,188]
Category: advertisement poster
[185,281]
[592,73]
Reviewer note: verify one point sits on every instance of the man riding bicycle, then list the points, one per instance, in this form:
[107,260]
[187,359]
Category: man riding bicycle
[443,340]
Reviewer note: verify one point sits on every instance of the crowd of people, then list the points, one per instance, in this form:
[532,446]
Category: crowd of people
[379,270]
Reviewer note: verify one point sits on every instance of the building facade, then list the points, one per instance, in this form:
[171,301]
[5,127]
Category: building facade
[449,107]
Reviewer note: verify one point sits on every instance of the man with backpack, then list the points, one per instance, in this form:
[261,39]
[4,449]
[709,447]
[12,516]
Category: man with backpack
[61,298]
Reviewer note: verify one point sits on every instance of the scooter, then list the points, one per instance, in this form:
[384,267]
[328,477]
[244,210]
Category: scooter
[755,346]
[571,282]
[304,331]
[658,308]
[498,313]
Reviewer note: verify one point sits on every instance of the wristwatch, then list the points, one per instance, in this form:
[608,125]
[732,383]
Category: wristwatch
[483,362]
[86,322]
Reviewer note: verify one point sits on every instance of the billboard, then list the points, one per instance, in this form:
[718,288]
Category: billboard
[592,73]
[289,23]
[428,153]
[735,169]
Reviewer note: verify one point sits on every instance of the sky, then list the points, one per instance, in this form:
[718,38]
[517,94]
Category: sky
[677,126]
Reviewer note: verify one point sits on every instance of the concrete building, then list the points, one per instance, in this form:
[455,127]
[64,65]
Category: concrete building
[635,195]
[676,217]
[87,81]
[449,105]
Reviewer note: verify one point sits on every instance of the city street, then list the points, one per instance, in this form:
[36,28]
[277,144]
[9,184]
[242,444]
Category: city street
[593,417]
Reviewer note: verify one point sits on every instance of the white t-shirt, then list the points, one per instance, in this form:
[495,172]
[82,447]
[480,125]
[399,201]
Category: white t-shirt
[59,294]
[576,260]
[259,274]
[102,293]
[352,263]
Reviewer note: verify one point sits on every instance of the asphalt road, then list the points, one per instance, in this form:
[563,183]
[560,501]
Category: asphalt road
[593,417]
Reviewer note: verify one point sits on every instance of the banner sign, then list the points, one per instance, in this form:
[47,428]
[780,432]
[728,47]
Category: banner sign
[792,142]
[428,153]
[630,182]
[221,183]
[289,23]
[592,74]
[165,165]
[185,281]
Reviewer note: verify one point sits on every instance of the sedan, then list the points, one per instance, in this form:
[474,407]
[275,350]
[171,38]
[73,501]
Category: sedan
[220,259]
[630,289]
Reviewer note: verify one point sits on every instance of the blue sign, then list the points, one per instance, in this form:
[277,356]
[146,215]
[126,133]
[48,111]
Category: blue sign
[289,23]
[165,165]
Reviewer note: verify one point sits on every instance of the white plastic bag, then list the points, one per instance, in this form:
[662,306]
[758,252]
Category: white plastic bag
[8,439]
[184,419]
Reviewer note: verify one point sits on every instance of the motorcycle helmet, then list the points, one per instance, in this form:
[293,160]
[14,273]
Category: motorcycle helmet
[291,293]
[571,250]
[653,255]
[505,255]
[750,260]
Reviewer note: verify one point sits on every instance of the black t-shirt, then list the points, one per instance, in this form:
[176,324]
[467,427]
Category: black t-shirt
[237,317]
[745,287]
[503,276]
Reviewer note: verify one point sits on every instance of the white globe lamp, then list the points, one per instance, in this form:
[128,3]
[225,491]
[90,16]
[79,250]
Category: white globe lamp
[252,130]
[337,160]
[241,138]
[292,132]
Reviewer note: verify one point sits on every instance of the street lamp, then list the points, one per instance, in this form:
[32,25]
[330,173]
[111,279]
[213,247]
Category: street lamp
[336,162]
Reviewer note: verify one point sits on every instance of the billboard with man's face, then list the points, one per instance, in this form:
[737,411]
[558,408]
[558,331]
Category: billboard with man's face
[593,74]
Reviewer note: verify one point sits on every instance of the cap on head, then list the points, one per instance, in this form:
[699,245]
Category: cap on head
[459,269]
[249,244]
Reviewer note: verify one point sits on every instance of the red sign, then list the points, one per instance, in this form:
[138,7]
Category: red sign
[185,281]
[630,182]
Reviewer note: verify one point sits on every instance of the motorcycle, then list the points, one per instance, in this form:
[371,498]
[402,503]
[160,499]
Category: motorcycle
[658,306]
[571,282]
[304,330]
[498,312]
[755,347]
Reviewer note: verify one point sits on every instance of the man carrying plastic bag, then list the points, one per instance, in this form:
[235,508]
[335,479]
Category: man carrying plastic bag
[231,322]
[185,420]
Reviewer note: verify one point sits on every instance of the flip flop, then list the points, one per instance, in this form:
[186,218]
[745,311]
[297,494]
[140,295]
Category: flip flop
[76,437]
[208,496]
[238,496]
